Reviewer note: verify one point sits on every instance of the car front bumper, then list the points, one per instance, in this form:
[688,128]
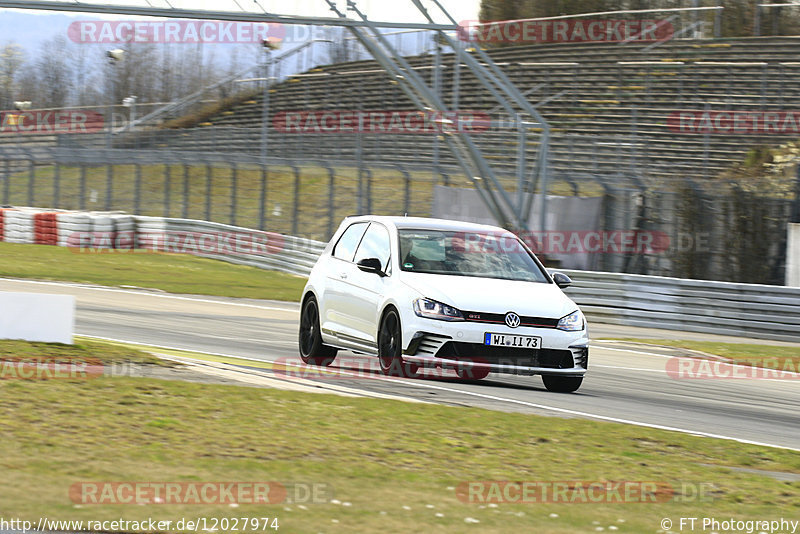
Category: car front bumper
[459,344]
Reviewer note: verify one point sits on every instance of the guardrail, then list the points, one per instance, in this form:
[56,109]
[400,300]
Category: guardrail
[234,244]
[750,310]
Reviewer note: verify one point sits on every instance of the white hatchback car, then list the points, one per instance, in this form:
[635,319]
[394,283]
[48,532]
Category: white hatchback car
[419,292]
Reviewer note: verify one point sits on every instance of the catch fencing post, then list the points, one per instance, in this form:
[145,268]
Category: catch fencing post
[262,198]
[331,196]
[407,195]
[167,184]
[56,184]
[296,210]
[186,191]
[31,180]
[7,183]
[369,190]
[137,189]
[209,178]
[82,188]
[109,184]
[234,185]
[795,218]
[705,146]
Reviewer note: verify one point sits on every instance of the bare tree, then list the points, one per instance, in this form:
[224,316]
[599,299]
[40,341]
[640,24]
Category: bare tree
[12,58]
[53,74]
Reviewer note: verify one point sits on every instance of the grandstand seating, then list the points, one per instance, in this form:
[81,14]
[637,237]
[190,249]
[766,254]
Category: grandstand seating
[608,113]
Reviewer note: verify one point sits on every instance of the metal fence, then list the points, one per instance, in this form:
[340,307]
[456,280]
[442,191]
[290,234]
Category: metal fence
[606,109]
[720,232]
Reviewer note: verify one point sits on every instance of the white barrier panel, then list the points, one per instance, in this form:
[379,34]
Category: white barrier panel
[793,255]
[37,317]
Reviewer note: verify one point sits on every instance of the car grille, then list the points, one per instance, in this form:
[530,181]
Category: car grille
[500,318]
[478,353]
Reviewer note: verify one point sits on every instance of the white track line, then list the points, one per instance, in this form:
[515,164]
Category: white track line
[628,368]
[489,397]
[718,362]
[148,294]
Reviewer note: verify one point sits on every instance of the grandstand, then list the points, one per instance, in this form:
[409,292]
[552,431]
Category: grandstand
[608,106]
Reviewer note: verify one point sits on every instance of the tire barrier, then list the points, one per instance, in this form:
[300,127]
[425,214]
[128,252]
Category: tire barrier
[19,227]
[120,232]
[2,223]
[45,228]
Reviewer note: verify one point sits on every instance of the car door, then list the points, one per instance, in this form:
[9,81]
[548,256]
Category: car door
[367,289]
[337,296]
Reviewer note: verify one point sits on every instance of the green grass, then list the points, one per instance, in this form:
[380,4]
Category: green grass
[82,349]
[174,273]
[377,455]
[771,356]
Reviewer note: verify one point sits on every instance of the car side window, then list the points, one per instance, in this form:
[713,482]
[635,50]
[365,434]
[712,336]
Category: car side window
[346,246]
[375,244]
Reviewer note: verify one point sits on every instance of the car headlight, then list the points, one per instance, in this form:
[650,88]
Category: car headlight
[572,322]
[431,309]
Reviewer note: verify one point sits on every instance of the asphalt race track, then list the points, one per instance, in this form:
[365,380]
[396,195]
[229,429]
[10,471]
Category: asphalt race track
[623,384]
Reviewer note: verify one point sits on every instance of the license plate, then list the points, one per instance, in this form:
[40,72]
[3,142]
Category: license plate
[507,340]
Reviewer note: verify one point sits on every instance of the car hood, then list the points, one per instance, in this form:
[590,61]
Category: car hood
[491,295]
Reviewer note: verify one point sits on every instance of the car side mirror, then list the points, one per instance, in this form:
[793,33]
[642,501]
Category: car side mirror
[562,280]
[371,265]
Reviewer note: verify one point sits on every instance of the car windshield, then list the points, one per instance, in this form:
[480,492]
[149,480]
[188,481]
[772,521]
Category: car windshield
[479,254]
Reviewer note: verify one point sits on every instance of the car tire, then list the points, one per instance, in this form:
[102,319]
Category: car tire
[471,373]
[562,384]
[390,348]
[312,351]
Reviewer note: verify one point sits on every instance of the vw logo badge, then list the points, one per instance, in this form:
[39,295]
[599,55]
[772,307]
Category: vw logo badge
[512,320]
